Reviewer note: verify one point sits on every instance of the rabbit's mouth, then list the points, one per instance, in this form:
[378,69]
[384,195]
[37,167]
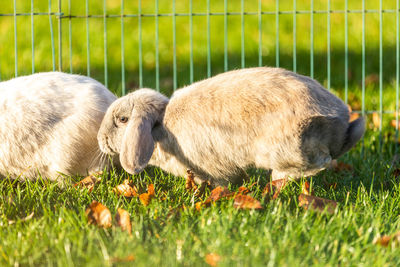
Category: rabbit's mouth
[106,148]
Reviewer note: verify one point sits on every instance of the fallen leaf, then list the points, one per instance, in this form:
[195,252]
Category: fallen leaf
[190,183]
[340,166]
[243,190]
[220,192]
[393,123]
[274,188]
[376,119]
[386,239]
[88,182]
[145,198]
[126,189]
[98,214]
[124,220]
[125,259]
[246,202]
[150,190]
[317,203]
[306,189]
[199,205]
[212,259]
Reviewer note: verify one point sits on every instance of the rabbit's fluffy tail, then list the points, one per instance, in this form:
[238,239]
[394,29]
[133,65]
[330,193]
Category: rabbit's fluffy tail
[354,133]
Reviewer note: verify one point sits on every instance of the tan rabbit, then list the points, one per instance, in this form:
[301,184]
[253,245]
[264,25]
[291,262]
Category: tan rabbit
[49,123]
[263,117]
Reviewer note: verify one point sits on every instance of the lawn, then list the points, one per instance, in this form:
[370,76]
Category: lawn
[170,231]
[165,233]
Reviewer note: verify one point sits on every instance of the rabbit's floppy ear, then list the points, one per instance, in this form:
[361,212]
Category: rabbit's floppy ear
[137,144]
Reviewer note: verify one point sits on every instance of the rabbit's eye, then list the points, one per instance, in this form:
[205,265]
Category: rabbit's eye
[123,119]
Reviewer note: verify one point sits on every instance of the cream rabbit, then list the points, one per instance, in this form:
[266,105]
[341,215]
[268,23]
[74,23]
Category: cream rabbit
[49,124]
[263,117]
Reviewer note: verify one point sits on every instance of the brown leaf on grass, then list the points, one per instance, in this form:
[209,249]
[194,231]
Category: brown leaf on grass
[199,205]
[393,123]
[340,166]
[212,259]
[317,203]
[305,189]
[220,192]
[151,191]
[243,190]
[274,188]
[126,189]
[128,258]
[376,119]
[385,240]
[98,214]
[124,220]
[89,182]
[145,198]
[246,202]
[190,183]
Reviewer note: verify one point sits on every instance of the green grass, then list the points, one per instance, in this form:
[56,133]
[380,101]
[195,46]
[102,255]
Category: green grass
[280,234]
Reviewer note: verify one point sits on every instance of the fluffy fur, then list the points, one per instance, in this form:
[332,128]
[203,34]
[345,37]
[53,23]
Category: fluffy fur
[49,124]
[258,117]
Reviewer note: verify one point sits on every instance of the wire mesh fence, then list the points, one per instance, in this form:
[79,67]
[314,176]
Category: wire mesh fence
[351,47]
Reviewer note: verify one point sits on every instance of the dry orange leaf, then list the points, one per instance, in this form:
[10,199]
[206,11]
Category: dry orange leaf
[98,214]
[376,119]
[124,220]
[393,123]
[317,203]
[190,183]
[145,198]
[220,192]
[274,188]
[88,182]
[385,240]
[125,259]
[243,190]
[246,202]
[340,166]
[126,189]
[151,191]
[212,259]
[306,189]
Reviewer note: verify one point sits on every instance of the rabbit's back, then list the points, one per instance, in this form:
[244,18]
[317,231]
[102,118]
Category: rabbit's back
[48,123]
[251,117]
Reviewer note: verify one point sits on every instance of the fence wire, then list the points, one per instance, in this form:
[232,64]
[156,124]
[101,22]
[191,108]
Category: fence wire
[352,47]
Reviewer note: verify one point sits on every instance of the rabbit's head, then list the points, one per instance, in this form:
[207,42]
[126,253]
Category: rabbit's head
[127,126]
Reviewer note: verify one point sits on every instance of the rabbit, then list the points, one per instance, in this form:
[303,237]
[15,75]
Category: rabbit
[48,125]
[262,117]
